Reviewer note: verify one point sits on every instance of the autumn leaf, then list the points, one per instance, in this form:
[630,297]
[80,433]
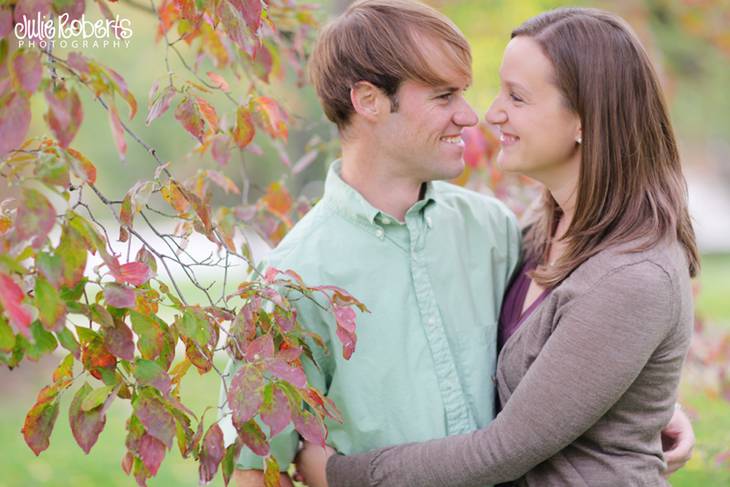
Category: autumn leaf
[119,340]
[51,308]
[218,81]
[149,373]
[152,452]
[211,453]
[73,254]
[39,423]
[119,296]
[117,131]
[14,122]
[11,297]
[121,87]
[160,105]
[27,69]
[30,10]
[208,112]
[277,199]
[245,394]
[193,325]
[273,118]
[250,10]
[188,114]
[254,438]
[275,411]
[156,419]
[82,166]
[85,425]
[244,130]
[310,427]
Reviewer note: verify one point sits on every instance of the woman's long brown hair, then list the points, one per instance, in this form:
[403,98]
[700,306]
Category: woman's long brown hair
[630,187]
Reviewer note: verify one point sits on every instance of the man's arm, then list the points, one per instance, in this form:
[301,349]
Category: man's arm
[678,441]
[255,478]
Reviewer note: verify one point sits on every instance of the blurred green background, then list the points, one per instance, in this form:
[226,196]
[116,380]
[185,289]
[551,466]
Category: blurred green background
[690,44]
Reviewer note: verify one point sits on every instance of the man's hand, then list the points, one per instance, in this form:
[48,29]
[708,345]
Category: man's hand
[255,478]
[311,462]
[678,440]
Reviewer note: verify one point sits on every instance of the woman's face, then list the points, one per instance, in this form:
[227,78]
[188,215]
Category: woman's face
[538,132]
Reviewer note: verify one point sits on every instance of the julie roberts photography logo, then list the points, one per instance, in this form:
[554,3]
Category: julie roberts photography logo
[64,32]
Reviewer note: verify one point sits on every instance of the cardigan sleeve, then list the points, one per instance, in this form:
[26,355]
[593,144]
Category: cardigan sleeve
[602,341]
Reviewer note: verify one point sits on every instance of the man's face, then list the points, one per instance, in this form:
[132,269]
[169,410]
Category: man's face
[422,139]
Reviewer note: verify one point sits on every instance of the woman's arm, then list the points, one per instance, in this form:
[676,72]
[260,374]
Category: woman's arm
[600,345]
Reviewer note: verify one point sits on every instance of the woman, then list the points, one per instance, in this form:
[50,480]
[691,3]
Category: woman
[597,325]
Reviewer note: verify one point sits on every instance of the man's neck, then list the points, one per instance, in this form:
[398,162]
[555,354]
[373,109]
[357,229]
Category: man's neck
[376,181]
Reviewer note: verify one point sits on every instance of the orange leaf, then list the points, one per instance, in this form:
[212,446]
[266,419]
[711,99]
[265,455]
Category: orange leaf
[277,199]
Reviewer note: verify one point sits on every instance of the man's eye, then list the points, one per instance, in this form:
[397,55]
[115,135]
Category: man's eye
[446,96]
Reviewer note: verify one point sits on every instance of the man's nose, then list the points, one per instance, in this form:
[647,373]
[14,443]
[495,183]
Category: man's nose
[466,117]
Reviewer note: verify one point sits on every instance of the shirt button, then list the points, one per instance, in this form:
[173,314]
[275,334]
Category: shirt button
[386,220]
[431,322]
[429,223]
[379,233]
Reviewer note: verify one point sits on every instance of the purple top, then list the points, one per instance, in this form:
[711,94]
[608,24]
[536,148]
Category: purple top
[511,316]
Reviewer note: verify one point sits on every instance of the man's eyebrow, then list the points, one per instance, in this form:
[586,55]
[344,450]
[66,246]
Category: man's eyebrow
[449,88]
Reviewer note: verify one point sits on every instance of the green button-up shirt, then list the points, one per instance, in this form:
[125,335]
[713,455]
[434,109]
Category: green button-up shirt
[426,354]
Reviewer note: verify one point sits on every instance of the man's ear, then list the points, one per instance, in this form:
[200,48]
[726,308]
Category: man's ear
[368,100]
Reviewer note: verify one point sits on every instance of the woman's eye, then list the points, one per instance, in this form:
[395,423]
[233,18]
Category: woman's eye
[515,97]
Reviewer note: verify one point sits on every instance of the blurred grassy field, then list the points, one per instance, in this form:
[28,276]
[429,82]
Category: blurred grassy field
[65,464]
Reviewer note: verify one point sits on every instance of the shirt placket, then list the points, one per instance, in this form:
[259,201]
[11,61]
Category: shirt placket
[458,416]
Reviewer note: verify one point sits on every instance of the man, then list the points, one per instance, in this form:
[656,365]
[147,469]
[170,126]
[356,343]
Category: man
[429,259]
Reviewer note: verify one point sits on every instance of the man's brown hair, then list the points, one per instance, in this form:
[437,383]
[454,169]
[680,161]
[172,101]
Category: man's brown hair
[382,42]
[630,187]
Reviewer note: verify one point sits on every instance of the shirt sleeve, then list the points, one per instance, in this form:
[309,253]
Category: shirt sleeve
[284,446]
[602,341]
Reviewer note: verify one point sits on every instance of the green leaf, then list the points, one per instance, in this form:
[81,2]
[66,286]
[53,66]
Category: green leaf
[149,372]
[195,326]
[51,308]
[7,337]
[96,398]
[68,341]
[43,341]
[73,256]
[50,267]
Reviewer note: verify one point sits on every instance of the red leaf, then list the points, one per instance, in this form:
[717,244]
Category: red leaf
[224,182]
[121,87]
[73,9]
[156,419]
[250,10]
[208,112]
[78,62]
[273,118]
[254,438]
[82,166]
[28,69]
[288,372]
[275,412]
[245,394]
[30,10]
[161,104]
[134,273]
[260,349]
[310,427]
[85,425]
[64,114]
[244,131]
[188,115]
[117,131]
[277,199]
[14,122]
[348,340]
[119,340]
[151,452]
[211,453]
[11,297]
[221,148]
[39,424]
[218,81]
[35,219]
[119,296]
[6,21]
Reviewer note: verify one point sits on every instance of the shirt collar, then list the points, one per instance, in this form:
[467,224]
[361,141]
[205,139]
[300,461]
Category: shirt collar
[352,204]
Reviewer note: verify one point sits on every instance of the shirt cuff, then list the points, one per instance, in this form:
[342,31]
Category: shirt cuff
[349,471]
